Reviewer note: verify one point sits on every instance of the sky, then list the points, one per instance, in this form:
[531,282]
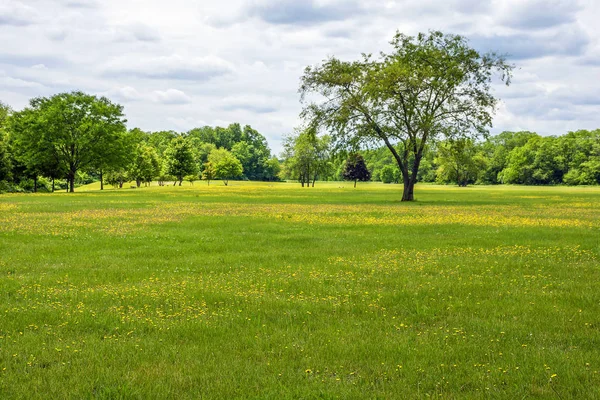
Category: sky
[180,64]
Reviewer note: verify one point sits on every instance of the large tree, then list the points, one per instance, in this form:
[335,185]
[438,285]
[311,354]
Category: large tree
[431,86]
[70,131]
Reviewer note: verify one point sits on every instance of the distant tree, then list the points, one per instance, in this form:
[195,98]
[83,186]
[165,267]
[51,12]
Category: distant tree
[430,87]
[5,161]
[306,157]
[202,152]
[272,169]
[225,165]
[458,162]
[208,172]
[356,169]
[180,159]
[191,179]
[145,165]
[389,174]
[75,129]
[116,178]
[535,163]
[496,150]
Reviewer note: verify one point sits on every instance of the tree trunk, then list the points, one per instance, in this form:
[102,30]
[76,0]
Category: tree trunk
[35,181]
[52,184]
[180,182]
[101,180]
[71,180]
[138,182]
[409,188]
[355,184]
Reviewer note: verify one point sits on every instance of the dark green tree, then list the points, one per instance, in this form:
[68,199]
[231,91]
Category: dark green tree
[356,169]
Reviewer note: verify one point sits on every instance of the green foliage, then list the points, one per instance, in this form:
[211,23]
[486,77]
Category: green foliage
[307,157]
[225,165]
[389,174]
[145,165]
[459,162]
[179,158]
[116,178]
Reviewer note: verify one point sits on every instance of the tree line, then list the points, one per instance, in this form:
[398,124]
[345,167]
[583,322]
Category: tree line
[72,138]
[508,158]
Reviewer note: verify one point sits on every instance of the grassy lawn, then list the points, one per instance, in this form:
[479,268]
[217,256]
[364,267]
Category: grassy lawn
[274,291]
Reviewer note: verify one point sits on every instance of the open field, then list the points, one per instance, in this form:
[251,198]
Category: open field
[274,291]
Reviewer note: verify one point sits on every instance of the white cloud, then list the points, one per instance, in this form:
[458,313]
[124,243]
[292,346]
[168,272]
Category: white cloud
[171,96]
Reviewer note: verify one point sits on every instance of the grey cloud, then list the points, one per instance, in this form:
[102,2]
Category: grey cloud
[527,46]
[81,4]
[13,20]
[17,14]
[143,33]
[24,60]
[305,12]
[541,14]
[577,95]
[259,109]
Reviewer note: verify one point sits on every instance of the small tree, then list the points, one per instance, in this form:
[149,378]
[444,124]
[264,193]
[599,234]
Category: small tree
[226,166]
[208,174]
[180,159]
[145,164]
[306,156]
[356,169]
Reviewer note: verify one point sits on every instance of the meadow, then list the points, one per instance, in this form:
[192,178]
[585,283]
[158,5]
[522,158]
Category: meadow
[270,290]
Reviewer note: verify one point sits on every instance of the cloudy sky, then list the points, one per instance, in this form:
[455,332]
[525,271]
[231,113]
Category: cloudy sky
[179,64]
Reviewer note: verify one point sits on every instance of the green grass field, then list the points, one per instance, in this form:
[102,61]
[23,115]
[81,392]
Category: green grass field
[274,291]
